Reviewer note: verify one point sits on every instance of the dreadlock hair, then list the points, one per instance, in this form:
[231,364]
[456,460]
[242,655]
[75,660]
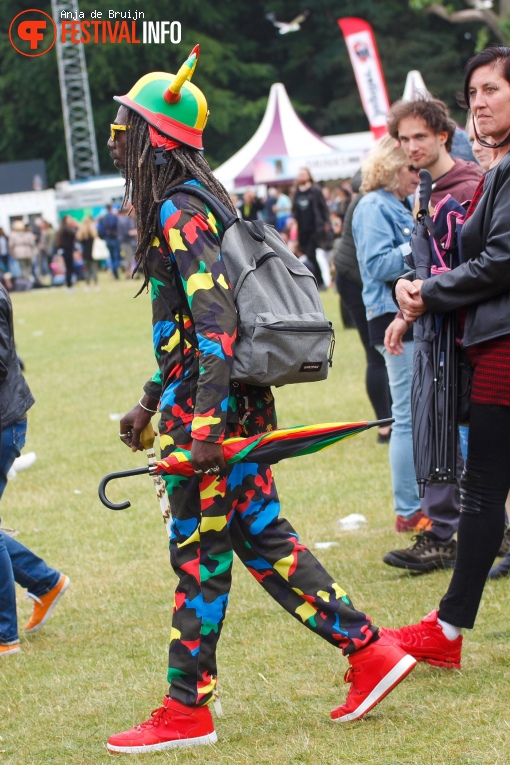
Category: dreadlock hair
[147,183]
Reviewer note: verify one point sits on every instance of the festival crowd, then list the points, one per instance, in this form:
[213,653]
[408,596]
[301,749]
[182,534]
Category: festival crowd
[36,255]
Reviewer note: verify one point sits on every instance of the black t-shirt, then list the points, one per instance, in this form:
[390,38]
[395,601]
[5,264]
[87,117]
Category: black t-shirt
[304,212]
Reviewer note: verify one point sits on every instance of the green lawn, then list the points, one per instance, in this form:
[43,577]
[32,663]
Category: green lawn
[99,665]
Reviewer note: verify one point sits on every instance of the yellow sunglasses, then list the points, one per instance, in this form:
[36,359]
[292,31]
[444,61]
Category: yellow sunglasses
[115,128]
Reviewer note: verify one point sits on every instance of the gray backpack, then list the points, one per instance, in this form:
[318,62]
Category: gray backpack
[283,334]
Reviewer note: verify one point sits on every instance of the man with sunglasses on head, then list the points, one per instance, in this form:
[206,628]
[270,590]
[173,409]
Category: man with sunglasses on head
[425,131]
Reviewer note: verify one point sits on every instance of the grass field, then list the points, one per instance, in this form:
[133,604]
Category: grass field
[99,665]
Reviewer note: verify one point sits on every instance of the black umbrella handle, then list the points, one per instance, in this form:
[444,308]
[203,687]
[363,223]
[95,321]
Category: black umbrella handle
[113,476]
[425,193]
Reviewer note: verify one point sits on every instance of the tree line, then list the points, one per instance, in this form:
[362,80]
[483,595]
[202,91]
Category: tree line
[242,55]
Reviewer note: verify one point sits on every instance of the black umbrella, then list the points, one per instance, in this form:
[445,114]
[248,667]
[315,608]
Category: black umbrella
[434,387]
[424,373]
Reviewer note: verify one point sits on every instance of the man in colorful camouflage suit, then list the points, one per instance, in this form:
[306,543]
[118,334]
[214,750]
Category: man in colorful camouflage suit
[155,143]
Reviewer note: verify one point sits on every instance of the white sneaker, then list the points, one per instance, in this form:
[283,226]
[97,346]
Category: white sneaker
[24,461]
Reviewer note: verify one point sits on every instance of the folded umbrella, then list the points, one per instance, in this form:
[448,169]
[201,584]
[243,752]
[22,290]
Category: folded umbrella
[265,448]
[435,249]
[423,389]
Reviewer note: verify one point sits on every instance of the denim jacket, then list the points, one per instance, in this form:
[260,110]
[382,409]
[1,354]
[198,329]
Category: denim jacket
[382,228]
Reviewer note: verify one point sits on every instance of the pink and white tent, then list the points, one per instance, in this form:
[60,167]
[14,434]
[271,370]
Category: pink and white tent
[281,136]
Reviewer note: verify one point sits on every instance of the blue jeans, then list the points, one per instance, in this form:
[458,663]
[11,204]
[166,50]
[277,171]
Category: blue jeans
[114,250]
[17,562]
[13,441]
[403,477]
[441,502]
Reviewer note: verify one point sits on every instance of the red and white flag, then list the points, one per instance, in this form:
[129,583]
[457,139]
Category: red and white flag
[366,63]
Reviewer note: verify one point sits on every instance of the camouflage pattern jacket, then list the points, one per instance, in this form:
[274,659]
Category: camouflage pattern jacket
[194,387]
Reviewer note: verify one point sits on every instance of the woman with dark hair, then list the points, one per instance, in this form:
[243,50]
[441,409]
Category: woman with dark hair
[479,289]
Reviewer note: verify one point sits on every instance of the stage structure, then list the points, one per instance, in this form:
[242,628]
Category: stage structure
[76,106]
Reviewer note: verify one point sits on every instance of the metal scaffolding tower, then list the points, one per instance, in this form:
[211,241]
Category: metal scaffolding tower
[76,107]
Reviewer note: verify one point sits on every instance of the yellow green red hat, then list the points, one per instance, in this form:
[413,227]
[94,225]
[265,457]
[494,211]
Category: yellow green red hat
[171,103]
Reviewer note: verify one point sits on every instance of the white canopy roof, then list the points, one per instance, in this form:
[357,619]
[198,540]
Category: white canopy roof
[280,134]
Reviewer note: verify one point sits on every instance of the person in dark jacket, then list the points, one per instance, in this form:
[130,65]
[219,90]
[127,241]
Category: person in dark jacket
[480,289]
[107,229]
[350,286]
[18,564]
[65,239]
[251,206]
[311,212]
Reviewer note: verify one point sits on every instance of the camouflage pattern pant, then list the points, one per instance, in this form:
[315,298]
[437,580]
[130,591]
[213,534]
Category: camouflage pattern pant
[211,518]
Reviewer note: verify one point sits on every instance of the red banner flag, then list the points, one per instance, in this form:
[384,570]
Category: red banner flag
[366,63]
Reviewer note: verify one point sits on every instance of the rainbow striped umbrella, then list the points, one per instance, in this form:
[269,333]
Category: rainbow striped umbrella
[271,447]
[264,448]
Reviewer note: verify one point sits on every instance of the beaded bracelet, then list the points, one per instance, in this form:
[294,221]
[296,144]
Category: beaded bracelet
[153,411]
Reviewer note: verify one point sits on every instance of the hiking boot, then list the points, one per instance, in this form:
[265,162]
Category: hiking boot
[6,649]
[426,554]
[501,569]
[427,642]
[44,605]
[417,522]
[172,725]
[374,672]
[505,543]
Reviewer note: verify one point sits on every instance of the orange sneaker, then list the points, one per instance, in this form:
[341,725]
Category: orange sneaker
[5,650]
[44,605]
[172,725]
[417,522]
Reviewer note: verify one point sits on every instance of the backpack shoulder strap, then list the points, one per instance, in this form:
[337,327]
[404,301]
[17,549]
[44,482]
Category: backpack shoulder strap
[218,209]
[172,267]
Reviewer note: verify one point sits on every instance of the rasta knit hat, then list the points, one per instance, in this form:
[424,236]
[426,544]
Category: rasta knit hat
[170,103]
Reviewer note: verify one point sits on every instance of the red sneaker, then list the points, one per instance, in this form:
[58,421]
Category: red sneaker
[170,726]
[426,641]
[374,672]
[417,522]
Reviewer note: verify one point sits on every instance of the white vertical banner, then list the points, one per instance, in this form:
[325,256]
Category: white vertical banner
[362,48]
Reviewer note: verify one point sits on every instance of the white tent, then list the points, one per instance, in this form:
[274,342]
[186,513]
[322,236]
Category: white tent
[415,87]
[281,144]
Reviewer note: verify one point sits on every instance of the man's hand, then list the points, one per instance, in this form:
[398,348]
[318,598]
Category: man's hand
[393,336]
[408,296]
[132,424]
[206,456]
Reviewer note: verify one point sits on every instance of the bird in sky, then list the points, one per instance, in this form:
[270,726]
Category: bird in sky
[287,26]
